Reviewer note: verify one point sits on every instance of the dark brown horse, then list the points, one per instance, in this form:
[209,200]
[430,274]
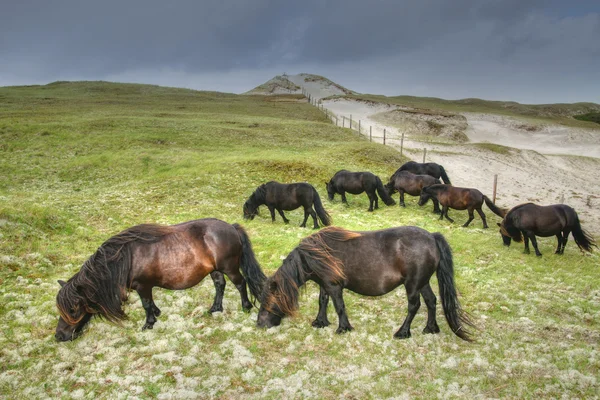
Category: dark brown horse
[459,199]
[530,220]
[431,169]
[285,197]
[368,263]
[355,183]
[172,257]
[407,182]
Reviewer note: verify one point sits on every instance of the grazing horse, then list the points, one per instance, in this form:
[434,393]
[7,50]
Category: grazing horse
[431,169]
[286,197]
[172,257]
[357,182]
[530,220]
[407,182]
[371,264]
[459,199]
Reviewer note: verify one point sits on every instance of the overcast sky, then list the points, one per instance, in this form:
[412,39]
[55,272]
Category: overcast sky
[531,51]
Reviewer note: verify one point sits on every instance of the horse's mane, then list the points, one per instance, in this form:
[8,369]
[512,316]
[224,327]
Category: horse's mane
[312,256]
[102,282]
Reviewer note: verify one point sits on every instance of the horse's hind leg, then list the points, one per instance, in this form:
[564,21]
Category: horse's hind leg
[535,246]
[526,242]
[482,215]
[559,240]
[372,200]
[306,214]
[414,303]
[430,302]
[219,281]
[313,214]
[471,217]
[401,204]
[238,280]
[321,321]
[145,294]
[565,239]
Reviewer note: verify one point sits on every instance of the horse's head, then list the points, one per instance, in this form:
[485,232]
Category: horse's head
[250,210]
[330,189]
[270,313]
[74,313]
[390,188]
[506,238]
[425,196]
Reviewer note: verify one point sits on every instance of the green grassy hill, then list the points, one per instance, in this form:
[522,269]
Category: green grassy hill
[80,161]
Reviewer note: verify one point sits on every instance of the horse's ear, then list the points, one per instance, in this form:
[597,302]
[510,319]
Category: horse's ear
[61,283]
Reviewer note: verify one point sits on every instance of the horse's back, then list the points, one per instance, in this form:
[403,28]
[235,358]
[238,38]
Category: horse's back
[379,261]
[541,220]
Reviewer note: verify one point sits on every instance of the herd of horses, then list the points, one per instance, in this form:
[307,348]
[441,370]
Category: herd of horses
[370,263]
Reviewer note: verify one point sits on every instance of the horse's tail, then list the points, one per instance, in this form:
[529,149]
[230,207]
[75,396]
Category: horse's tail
[455,316]
[444,176]
[582,238]
[495,209]
[321,213]
[385,196]
[249,265]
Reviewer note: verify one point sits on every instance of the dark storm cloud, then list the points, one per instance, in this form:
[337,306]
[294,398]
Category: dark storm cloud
[186,42]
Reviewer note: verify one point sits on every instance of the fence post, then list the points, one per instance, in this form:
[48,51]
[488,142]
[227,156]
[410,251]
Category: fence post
[384,136]
[359,127]
[402,144]
[336,121]
[350,121]
[370,133]
[424,154]
[495,186]
[343,121]
[562,198]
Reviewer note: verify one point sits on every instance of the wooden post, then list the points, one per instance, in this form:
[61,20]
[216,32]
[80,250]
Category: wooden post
[384,136]
[424,154]
[402,144]
[350,121]
[370,133]
[359,127]
[343,121]
[562,198]
[336,121]
[495,186]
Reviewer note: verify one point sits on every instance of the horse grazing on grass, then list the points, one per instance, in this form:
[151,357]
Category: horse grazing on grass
[530,220]
[172,257]
[368,263]
[431,169]
[357,182]
[459,199]
[407,182]
[285,197]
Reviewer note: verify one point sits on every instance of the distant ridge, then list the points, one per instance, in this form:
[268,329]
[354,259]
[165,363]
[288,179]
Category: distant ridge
[315,85]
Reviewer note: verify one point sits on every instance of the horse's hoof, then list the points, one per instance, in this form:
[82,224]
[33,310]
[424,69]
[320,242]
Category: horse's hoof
[402,335]
[147,326]
[214,309]
[434,329]
[486,227]
[156,311]
[344,329]
[538,254]
[317,323]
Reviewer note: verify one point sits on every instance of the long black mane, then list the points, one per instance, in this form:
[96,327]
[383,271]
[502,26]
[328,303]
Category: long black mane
[102,283]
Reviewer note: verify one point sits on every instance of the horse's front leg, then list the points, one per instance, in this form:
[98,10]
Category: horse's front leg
[219,281]
[285,220]
[436,206]
[272,211]
[321,321]
[340,308]
[445,214]
[145,294]
[343,194]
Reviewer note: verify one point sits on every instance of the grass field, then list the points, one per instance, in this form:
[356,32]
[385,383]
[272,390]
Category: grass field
[82,161]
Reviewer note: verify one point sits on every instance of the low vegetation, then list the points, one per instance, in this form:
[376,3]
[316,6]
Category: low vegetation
[591,117]
[81,161]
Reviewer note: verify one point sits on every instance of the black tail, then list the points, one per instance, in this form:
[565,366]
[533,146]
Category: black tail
[495,209]
[321,213]
[383,193]
[444,176]
[582,238]
[455,316]
[249,265]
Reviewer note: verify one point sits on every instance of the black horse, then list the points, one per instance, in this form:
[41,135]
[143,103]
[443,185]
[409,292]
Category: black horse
[530,220]
[368,263]
[357,182]
[285,197]
[460,199]
[173,257]
[431,169]
[407,182]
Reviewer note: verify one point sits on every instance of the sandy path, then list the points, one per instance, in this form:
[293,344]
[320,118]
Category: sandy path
[541,167]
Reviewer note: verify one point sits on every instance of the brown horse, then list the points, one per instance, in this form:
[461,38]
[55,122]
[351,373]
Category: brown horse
[530,220]
[407,182]
[172,257]
[368,263]
[459,199]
